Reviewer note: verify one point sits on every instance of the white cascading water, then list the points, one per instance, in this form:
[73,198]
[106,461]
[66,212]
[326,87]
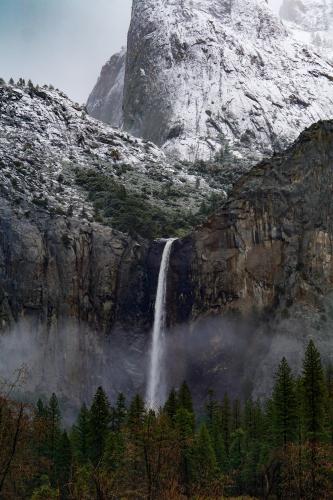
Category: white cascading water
[156,383]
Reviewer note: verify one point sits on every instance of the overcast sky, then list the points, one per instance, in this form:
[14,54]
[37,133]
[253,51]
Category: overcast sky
[63,42]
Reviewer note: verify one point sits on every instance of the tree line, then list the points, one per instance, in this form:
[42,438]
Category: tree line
[279,448]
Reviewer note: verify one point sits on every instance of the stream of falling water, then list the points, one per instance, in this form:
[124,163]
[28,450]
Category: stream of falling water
[156,383]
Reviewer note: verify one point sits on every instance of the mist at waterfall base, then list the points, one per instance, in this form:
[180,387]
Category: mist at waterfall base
[73,362]
[233,355]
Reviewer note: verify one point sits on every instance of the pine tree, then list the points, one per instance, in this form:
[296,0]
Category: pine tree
[313,394]
[236,415]
[250,467]
[41,409]
[185,401]
[11,81]
[171,406]
[54,422]
[63,463]
[314,399]
[80,435]
[99,422]
[119,413]
[114,451]
[136,413]
[203,460]
[226,423]
[254,428]
[41,431]
[284,406]
[236,449]
[252,420]
[215,429]
[185,398]
[185,434]
[211,408]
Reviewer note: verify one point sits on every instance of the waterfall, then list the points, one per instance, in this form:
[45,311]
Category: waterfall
[156,383]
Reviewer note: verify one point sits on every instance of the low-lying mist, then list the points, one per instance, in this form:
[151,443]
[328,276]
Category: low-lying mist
[224,354]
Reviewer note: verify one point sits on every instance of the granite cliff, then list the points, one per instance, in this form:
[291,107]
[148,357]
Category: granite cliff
[205,76]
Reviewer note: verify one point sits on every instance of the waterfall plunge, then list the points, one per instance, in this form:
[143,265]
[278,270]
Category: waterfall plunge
[156,384]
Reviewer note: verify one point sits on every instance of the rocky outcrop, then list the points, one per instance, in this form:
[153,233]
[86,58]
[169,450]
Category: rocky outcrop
[219,76]
[106,100]
[270,247]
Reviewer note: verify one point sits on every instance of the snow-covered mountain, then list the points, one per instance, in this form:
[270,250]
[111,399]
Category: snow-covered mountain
[45,137]
[203,76]
[106,100]
[310,21]
[46,140]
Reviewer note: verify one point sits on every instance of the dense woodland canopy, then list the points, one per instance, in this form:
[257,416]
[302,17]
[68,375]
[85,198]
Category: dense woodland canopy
[278,448]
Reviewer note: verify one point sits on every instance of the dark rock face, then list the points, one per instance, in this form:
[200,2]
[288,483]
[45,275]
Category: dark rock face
[271,245]
[54,267]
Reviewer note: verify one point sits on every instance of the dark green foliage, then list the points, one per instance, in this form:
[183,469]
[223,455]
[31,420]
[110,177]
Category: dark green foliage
[99,425]
[285,415]
[114,451]
[119,413]
[41,410]
[171,406]
[313,393]
[211,205]
[215,428]
[226,423]
[136,413]
[128,211]
[203,460]
[277,448]
[53,417]
[185,433]
[63,463]
[80,435]
[45,491]
[185,398]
